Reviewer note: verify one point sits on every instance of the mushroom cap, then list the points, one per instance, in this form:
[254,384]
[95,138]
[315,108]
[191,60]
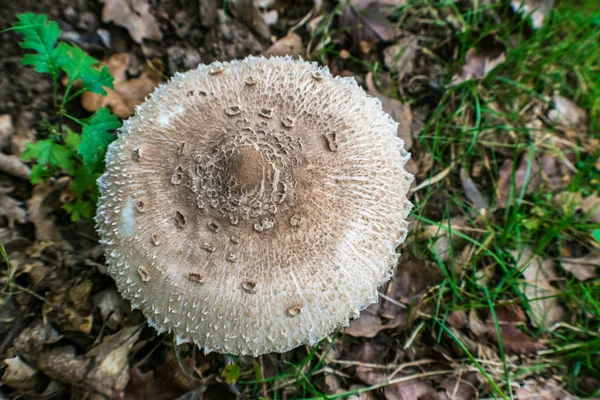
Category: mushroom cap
[254,206]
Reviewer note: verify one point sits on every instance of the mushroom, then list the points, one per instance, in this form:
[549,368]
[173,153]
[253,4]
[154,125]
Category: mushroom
[255,205]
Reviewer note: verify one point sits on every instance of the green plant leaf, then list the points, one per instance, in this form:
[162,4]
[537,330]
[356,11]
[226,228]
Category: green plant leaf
[83,180]
[95,137]
[231,373]
[72,140]
[77,64]
[49,155]
[596,235]
[40,35]
[79,209]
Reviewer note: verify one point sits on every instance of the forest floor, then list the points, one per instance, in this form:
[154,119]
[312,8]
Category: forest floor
[497,293]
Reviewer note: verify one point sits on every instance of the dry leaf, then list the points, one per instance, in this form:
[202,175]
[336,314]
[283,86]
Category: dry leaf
[461,388]
[477,65]
[44,199]
[400,57]
[13,165]
[110,372]
[367,24]
[366,325]
[541,390]
[529,176]
[399,111]
[591,207]
[583,268]
[545,309]
[409,390]
[11,208]
[19,375]
[247,11]
[290,44]
[135,16]
[6,130]
[369,375]
[480,203]
[539,9]
[566,112]
[103,369]
[127,93]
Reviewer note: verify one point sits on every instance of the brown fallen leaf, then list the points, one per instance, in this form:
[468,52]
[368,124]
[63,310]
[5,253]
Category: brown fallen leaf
[44,199]
[545,309]
[135,16]
[542,389]
[583,268]
[11,208]
[566,112]
[367,24]
[127,93]
[400,57]
[69,309]
[19,375]
[366,325]
[529,176]
[399,111]
[461,388]
[591,207]
[13,165]
[538,9]
[480,203]
[6,130]
[408,390]
[103,369]
[246,11]
[478,65]
[514,340]
[290,44]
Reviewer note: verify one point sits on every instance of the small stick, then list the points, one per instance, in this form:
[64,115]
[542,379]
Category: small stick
[262,377]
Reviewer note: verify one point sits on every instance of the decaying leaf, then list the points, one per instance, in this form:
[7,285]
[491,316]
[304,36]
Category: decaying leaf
[514,340]
[368,324]
[566,112]
[367,23]
[127,93]
[478,65]
[290,44]
[543,389]
[11,208]
[480,203]
[463,387]
[538,9]
[399,111]
[69,308]
[591,207]
[583,268]
[46,198]
[19,375]
[529,176]
[247,11]
[135,16]
[400,57]
[411,389]
[103,369]
[544,307]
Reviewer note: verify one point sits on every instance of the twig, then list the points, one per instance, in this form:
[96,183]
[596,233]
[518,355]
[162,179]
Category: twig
[263,385]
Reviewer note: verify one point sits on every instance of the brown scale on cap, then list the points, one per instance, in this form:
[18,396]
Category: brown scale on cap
[272,195]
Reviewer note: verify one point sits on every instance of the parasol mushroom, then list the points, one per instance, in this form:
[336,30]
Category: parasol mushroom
[254,206]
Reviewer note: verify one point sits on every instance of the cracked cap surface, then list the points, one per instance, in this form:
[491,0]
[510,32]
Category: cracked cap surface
[254,206]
